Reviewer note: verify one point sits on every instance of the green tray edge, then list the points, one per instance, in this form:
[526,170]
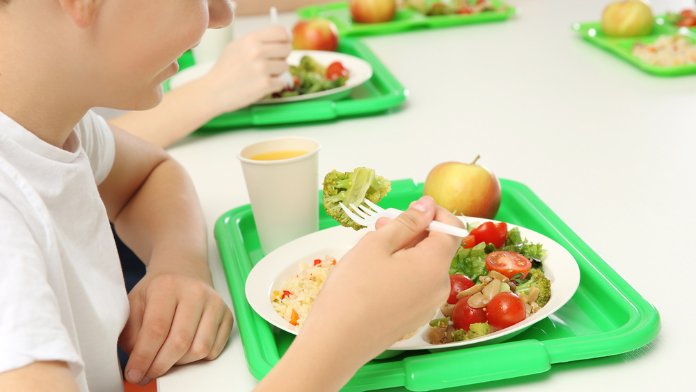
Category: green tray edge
[611,47]
[311,111]
[643,325]
[444,21]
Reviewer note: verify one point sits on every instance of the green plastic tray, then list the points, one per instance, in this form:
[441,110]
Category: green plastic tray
[606,316]
[621,47]
[378,95]
[404,20]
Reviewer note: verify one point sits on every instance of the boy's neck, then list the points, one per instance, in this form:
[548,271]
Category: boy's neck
[34,91]
[47,119]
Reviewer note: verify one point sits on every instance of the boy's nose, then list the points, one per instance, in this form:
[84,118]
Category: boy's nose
[220,13]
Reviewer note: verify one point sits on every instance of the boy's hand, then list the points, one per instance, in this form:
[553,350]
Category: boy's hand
[389,284]
[248,69]
[173,320]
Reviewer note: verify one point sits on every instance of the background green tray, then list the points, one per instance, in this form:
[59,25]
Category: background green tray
[606,316]
[404,20]
[621,47]
[379,94]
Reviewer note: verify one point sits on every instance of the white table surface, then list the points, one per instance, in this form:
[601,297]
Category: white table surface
[609,148]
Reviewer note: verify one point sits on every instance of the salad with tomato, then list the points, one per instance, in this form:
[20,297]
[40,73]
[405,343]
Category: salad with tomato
[496,280]
[686,18]
[311,77]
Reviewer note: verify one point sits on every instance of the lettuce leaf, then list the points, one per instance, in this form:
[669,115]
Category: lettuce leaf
[470,262]
[515,243]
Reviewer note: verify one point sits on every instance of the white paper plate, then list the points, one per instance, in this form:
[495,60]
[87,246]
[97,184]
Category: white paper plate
[360,72]
[270,273]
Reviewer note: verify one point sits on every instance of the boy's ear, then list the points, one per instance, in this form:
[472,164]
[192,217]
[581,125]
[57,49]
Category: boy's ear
[82,12]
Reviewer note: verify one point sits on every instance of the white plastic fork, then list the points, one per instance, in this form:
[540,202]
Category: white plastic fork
[368,215]
[285,77]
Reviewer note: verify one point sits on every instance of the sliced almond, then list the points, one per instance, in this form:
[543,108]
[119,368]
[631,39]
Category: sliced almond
[491,289]
[477,301]
[447,309]
[533,294]
[499,276]
[528,309]
[470,291]
[524,297]
[485,279]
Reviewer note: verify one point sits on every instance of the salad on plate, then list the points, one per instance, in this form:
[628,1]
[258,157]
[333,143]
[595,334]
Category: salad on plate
[309,76]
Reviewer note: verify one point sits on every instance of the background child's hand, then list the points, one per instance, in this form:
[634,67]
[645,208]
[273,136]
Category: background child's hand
[248,68]
[173,320]
[389,284]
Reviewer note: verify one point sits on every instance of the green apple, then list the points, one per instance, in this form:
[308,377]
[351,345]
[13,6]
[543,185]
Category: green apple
[627,19]
[464,189]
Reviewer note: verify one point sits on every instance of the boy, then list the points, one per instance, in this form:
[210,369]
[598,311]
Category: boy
[62,301]
[64,174]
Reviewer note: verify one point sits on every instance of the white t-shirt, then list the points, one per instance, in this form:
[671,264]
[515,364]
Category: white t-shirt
[62,296]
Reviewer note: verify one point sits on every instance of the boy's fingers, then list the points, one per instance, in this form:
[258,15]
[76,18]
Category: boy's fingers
[157,321]
[223,334]
[401,231]
[205,336]
[277,67]
[441,244]
[178,342]
[278,51]
[273,34]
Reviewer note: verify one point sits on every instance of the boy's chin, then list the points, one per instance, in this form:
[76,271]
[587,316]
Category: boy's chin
[146,101]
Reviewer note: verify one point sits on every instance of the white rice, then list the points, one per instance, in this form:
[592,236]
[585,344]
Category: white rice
[666,51]
[304,287]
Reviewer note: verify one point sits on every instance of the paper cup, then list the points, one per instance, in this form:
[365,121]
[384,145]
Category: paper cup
[213,42]
[284,193]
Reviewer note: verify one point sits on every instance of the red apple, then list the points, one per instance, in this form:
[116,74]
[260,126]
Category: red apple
[372,11]
[464,189]
[315,34]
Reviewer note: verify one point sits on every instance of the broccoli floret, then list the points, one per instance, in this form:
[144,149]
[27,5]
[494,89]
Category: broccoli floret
[310,65]
[477,330]
[458,335]
[536,278]
[352,188]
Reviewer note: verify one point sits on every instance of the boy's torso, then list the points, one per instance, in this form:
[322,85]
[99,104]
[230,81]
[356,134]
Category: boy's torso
[52,194]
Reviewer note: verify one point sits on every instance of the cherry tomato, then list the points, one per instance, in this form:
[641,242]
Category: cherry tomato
[686,13]
[464,315]
[466,10]
[458,283]
[508,263]
[491,233]
[468,242]
[336,70]
[687,21]
[504,310]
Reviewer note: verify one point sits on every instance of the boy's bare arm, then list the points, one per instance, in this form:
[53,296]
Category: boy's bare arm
[255,7]
[38,377]
[176,316]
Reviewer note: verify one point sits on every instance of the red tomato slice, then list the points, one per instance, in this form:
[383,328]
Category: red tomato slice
[464,315]
[458,283]
[504,310]
[491,233]
[508,263]
[468,242]
[686,13]
[336,70]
